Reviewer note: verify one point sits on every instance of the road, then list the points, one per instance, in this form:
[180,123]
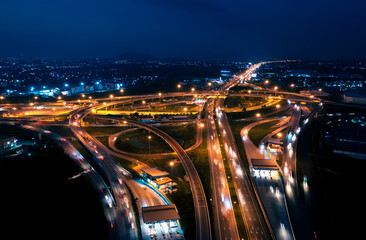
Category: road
[224,217]
[299,190]
[251,212]
[112,140]
[203,226]
[147,195]
[88,170]
[125,220]
[269,188]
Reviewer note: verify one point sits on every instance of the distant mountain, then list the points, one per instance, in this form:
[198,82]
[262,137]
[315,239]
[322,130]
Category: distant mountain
[132,56]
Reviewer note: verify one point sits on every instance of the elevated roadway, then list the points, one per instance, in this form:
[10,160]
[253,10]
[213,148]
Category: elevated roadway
[203,226]
[125,220]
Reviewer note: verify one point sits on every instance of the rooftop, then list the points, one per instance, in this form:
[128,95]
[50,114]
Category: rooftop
[160,213]
[154,172]
[264,164]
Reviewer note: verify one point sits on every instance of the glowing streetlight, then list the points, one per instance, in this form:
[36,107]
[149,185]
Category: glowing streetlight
[266,83]
[121,90]
[193,89]
[185,109]
[258,115]
[149,138]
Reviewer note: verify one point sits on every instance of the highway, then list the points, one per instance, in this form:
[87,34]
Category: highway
[251,213]
[270,188]
[203,226]
[299,204]
[224,217]
[125,220]
[88,170]
[113,138]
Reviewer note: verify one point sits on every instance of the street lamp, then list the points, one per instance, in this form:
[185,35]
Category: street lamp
[292,86]
[277,106]
[258,115]
[149,138]
[193,89]
[266,83]
[93,111]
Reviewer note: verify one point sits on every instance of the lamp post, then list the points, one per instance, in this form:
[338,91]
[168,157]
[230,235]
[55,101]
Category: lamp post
[292,86]
[93,111]
[149,138]
[278,107]
[266,83]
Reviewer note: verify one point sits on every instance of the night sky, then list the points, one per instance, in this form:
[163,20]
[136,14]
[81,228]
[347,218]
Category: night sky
[256,29]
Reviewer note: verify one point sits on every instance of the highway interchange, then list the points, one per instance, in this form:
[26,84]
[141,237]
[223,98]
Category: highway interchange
[261,200]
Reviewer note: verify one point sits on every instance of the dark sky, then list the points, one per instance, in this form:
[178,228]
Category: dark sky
[256,29]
